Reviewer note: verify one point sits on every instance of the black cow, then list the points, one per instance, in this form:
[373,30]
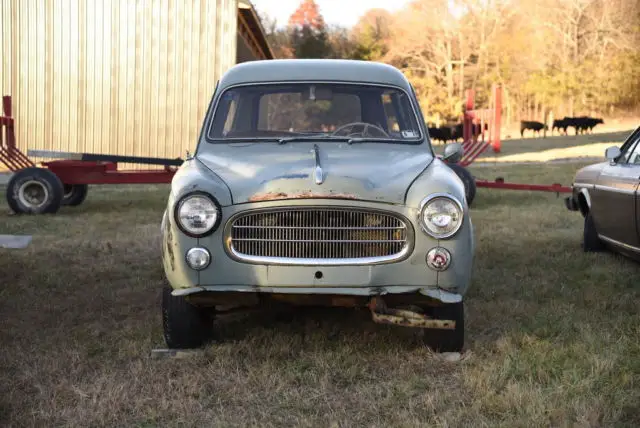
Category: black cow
[536,127]
[560,124]
[442,134]
[581,124]
[477,128]
[586,123]
[453,132]
[458,130]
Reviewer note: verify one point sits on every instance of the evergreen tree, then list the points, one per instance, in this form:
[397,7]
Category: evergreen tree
[308,32]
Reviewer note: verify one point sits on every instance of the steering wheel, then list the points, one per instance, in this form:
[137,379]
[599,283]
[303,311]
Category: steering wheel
[365,127]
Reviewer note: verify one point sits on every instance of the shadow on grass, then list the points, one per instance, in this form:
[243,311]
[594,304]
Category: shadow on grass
[317,327]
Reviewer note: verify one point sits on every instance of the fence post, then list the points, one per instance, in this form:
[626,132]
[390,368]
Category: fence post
[467,122]
[497,115]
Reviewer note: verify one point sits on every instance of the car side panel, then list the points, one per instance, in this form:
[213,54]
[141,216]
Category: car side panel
[638,213]
[613,203]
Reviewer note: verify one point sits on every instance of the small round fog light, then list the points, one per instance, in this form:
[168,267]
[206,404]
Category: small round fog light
[438,258]
[198,258]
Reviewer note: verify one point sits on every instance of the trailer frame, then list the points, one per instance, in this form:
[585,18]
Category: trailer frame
[73,171]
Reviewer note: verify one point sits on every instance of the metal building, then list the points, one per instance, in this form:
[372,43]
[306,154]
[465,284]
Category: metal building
[131,77]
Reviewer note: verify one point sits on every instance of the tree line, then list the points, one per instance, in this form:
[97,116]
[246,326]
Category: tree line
[565,57]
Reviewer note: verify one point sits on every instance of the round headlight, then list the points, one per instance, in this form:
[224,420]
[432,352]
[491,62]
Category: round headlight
[441,216]
[197,215]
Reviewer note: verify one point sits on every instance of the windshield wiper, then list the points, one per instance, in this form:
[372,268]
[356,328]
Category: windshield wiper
[373,140]
[285,140]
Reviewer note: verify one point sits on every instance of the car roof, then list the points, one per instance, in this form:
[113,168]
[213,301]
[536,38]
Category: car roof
[287,70]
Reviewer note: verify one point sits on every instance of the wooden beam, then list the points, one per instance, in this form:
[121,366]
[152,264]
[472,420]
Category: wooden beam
[250,38]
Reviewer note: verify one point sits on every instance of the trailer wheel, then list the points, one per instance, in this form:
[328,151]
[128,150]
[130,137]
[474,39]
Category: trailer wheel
[467,179]
[34,191]
[74,194]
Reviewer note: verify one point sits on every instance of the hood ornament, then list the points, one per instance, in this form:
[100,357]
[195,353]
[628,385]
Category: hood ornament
[319,175]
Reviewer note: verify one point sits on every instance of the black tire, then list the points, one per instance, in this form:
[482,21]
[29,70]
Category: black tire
[185,325]
[591,243]
[74,194]
[34,191]
[467,179]
[440,340]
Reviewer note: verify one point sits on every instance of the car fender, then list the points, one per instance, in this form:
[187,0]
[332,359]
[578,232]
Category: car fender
[436,178]
[194,176]
[587,197]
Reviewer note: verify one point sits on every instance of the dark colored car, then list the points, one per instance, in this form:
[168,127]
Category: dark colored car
[607,195]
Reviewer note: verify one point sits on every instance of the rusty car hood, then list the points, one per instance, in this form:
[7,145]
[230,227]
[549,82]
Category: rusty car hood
[266,171]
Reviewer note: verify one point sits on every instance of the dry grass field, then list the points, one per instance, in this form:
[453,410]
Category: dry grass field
[552,333]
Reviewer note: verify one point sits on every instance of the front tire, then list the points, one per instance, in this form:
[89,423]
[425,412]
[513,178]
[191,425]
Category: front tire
[467,179]
[440,340]
[591,243]
[185,325]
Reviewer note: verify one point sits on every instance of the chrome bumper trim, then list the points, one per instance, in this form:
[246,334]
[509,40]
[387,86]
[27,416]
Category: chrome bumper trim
[443,296]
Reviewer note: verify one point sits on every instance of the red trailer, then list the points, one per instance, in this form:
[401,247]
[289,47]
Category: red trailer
[481,130]
[37,190]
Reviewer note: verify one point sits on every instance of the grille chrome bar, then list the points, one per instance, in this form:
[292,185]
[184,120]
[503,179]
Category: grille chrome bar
[318,240]
[321,228]
[318,236]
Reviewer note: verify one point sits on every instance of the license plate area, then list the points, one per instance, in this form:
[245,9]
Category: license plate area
[320,276]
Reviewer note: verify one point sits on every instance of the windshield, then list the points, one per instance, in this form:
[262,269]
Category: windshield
[309,110]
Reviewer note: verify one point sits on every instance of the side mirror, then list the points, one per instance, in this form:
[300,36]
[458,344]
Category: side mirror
[612,153]
[453,153]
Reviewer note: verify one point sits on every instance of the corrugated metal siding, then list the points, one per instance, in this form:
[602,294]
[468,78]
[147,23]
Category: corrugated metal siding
[114,76]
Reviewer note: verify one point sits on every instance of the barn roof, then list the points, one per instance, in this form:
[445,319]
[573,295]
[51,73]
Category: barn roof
[252,32]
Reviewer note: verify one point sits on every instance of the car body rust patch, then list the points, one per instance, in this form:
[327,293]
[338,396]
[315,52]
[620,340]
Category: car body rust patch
[272,196]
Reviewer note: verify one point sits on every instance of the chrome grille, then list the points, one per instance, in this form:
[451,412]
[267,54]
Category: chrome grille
[318,236]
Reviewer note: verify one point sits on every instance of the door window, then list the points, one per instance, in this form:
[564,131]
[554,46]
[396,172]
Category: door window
[631,150]
[632,156]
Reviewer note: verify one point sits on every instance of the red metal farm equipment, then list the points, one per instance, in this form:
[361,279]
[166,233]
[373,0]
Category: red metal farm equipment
[481,129]
[36,190]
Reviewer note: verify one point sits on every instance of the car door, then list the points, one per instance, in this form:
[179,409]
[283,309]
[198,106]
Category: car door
[615,197]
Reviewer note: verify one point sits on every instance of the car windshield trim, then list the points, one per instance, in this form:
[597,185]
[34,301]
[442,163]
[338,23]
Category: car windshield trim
[320,138]
[419,139]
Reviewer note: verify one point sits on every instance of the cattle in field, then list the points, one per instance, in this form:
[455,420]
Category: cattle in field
[561,125]
[442,134]
[580,125]
[586,124]
[536,127]
[455,132]
[476,130]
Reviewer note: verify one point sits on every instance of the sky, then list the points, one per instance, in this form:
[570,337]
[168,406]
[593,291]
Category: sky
[341,12]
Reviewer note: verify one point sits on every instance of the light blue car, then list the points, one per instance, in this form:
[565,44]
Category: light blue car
[314,182]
